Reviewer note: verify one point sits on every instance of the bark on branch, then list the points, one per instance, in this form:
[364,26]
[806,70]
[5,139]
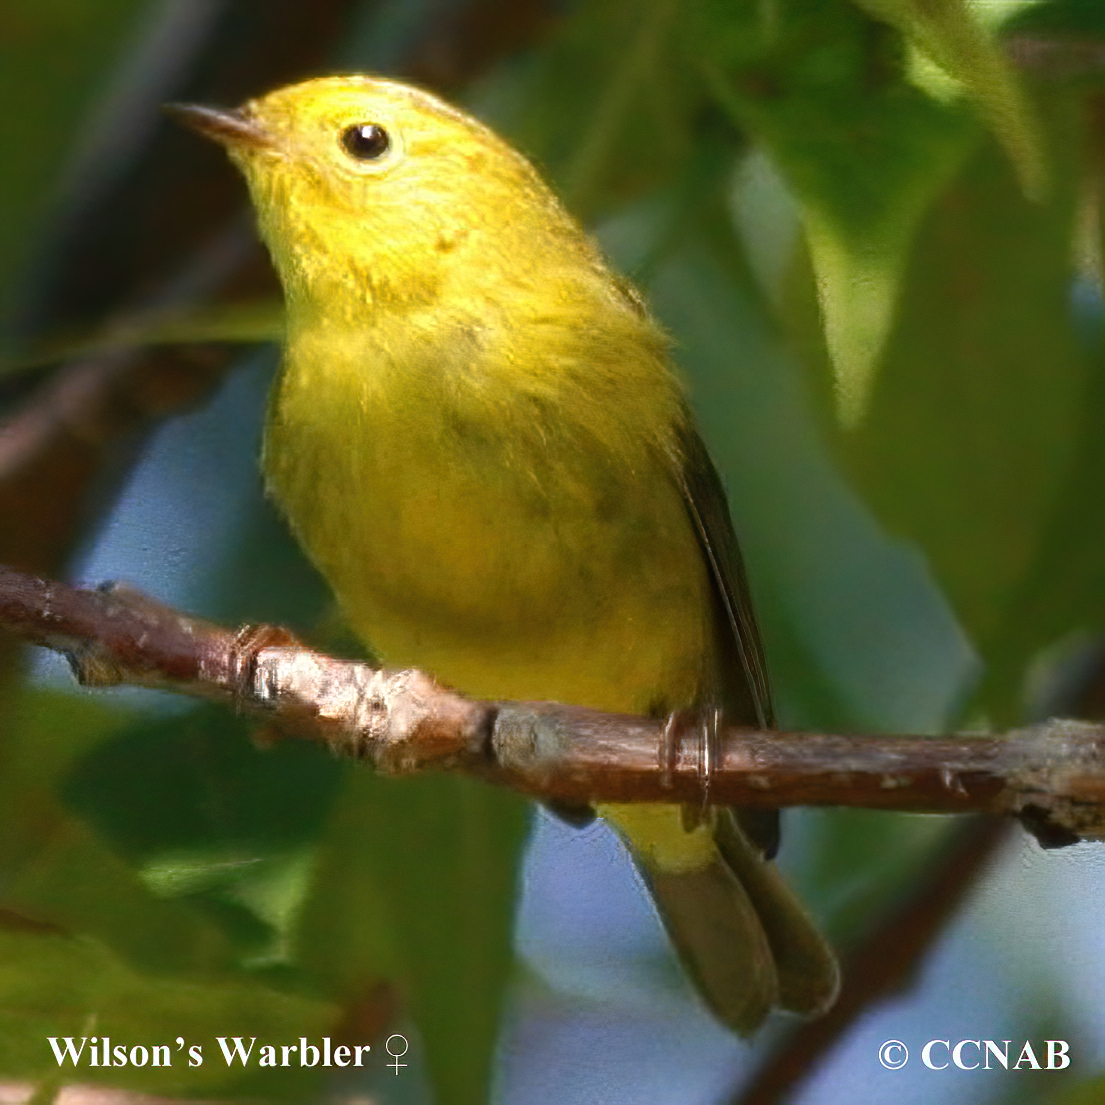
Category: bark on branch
[1051,775]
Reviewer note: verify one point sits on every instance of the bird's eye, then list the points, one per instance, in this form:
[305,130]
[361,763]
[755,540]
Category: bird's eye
[365,141]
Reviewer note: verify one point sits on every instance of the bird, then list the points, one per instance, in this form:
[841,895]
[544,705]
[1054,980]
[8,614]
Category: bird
[479,437]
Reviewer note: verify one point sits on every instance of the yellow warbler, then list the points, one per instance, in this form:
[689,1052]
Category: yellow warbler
[478,439]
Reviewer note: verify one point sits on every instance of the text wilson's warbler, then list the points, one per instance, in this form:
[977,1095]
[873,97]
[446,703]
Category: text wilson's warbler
[479,441]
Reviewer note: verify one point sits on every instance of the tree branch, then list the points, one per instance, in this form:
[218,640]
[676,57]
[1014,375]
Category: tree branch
[1051,775]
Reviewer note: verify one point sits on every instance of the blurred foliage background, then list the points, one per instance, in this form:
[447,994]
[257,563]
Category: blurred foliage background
[874,231]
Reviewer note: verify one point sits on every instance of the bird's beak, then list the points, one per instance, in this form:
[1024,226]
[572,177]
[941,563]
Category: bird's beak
[234,128]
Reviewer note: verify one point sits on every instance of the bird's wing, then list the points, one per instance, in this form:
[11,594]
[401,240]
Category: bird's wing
[708,509]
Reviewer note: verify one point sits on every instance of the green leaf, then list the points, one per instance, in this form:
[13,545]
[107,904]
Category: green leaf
[863,151]
[207,818]
[415,884]
[974,422]
[54,867]
[1062,594]
[52,985]
[1071,20]
[857,633]
[952,36]
[88,946]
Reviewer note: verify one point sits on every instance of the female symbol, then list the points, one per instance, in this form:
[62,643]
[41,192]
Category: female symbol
[396,1054]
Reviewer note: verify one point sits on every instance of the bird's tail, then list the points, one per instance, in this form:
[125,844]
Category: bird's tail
[743,936]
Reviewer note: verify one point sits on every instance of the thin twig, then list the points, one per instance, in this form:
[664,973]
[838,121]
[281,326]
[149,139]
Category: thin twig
[1051,775]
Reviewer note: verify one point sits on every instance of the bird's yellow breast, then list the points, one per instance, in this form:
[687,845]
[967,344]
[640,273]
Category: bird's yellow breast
[471,526]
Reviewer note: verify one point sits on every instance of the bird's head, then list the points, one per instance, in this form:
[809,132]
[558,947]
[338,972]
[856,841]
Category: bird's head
[369,192]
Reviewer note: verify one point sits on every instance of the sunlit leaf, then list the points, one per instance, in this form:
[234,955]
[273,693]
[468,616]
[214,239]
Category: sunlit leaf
[864,153]
[950,33]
